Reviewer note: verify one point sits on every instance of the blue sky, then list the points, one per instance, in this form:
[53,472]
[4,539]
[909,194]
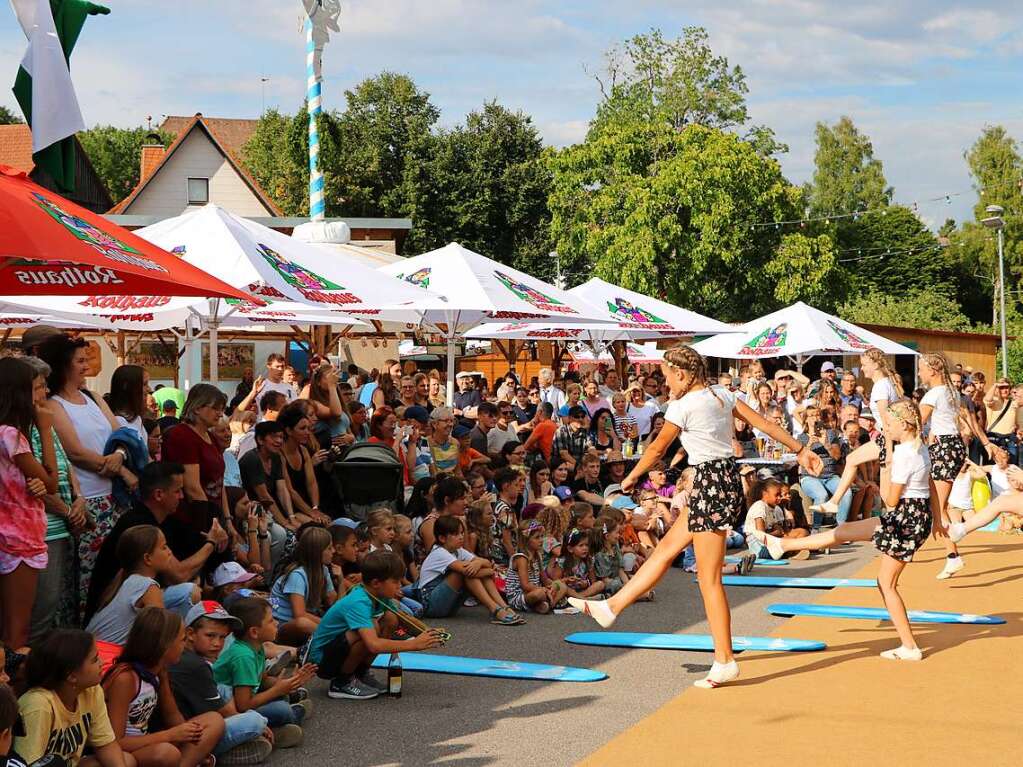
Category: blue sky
[921,78]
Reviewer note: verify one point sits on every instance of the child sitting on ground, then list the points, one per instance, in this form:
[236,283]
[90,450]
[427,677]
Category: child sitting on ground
[450,573]
[359,627]
[554,524]
[575,565]
[581,516]
[345,560]
[305,590]
[480,522]
[402,546]
[633,553]
[241,667]
[137,686]
[63,710]
[247,738]
[380,528]
[766,515]
[450,497]
[607,556]
[525,585]
[509,486]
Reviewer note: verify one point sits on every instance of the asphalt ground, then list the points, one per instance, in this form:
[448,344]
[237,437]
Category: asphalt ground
[470,722]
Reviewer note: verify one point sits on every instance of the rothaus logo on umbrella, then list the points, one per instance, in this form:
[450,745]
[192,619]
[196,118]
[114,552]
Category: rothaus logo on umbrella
[420,278]
[767,341]
[532,296]
[848,336]
[311,285]
[632,316]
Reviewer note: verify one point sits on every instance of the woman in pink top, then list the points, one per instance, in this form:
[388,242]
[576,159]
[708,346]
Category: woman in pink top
[23,482]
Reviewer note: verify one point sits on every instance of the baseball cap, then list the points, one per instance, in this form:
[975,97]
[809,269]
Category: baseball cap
[213,610]
[623,502]
[418,413]
[564,492]
[463,374]
[460,431]
[231,572]
[828,365]
[38,334]
[345,522]
[613,489]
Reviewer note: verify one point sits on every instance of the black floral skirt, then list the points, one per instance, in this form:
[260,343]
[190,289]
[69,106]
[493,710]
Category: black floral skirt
[948,454]
[882,446]
[904,529]
[717,496]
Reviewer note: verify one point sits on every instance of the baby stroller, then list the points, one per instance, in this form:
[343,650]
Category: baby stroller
[367,476]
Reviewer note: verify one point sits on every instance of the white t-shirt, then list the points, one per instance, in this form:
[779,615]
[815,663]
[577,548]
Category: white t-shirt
[284,388]
[882,390]
[706,423]
[790,408]
[999,482]
[643,415]
[911,466]
[944,420]
[772,516]
[437,563]
[962,492]
[496,438]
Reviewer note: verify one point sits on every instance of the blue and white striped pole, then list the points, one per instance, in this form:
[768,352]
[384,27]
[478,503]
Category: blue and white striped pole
[313,97]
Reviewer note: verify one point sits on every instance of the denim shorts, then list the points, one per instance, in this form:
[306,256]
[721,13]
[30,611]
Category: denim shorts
[439,599]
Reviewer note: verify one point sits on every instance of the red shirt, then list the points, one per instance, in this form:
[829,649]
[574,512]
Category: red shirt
[183,445]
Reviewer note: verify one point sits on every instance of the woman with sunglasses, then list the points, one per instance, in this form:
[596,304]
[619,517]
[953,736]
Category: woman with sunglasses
[1001,417]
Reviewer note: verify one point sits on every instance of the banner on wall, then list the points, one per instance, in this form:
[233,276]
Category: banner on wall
[232,360]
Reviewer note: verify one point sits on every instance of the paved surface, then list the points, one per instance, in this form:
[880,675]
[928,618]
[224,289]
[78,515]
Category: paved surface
[466,721]
[847,706]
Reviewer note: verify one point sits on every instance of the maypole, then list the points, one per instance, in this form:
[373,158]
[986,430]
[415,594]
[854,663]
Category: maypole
[320,18]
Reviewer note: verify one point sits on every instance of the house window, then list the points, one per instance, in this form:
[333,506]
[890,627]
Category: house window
[198,191]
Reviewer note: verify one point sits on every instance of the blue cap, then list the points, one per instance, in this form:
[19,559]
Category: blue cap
[623,502]
[460,431]
[563,492]
[345,522]
[418,413]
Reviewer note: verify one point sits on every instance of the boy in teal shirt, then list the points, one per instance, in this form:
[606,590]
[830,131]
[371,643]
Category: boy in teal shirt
[358,627]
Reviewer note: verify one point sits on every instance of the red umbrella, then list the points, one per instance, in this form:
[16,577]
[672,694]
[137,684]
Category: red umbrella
[50,246]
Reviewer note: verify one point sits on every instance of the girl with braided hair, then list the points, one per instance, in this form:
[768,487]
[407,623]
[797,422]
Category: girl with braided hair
[897,533]
[887,388]
[942,406]
[702,418]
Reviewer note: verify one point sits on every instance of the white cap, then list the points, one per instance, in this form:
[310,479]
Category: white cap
[230,572]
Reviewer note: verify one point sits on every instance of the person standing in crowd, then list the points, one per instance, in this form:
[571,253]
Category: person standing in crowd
[128,388]
[1001,417]
[23,482]
[594,401]
[84,423]
[436,395]
[274,381]
[570,440]
[270,404]
[56,603]
[332,415]
[243,388]
[641,409]
[612,383]
[192,445]
[541,438]
[467,398]
[525,411]
[486,419]
[549,392]
[503,431]
[383,429]
[848,393]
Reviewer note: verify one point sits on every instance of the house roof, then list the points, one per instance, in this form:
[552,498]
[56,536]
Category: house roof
[233,137]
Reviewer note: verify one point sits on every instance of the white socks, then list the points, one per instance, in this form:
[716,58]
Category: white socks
[597,609]
[903,653]
[957,531]
[720,673]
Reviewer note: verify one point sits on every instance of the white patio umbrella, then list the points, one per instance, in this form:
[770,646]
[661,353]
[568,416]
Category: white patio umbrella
[477,289]
[627,315]
[798,331]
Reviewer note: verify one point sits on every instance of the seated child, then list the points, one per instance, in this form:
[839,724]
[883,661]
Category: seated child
[247,737]
[345,561]
[9,722]
[63,710]
[305,590]
[380,529]
[402,546]
[525,586]
[449,574]
[555,522]
[766,515]
[137,686]
[241,667]
[228,578]
[575,565]
[358,627]
[581,516]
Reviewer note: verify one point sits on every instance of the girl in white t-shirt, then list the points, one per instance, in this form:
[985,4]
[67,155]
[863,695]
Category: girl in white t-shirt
[701,417]
[886,389]
[767,516]
[897,533]
[942,408]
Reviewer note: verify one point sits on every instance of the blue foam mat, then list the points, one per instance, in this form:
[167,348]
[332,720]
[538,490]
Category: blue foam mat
[797,583]
[879,614]
[501,669]
[689,642]
[760,562]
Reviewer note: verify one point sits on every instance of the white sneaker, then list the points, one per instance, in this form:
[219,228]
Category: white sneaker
[903,653]
[720,673]
[774,546]
[952,566]
[956,531]
[599,610]
[828,507]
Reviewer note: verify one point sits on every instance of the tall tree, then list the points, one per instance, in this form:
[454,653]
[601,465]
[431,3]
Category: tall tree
[277,155]
[919,308]
[8,117]
[847,177]
[115,154]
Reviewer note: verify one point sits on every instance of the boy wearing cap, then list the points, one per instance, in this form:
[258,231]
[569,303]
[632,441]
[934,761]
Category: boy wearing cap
[247,738]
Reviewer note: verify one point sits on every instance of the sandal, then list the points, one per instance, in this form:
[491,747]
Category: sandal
[511,618]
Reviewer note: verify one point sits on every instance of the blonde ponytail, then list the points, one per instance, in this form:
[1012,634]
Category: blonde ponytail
[880,359]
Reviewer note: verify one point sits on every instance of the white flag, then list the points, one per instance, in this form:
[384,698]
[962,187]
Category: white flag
[55,111]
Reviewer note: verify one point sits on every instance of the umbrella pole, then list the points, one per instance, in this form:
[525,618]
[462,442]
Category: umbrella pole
[187,342]
[451,367]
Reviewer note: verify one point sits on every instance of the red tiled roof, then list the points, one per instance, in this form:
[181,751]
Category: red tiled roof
[16,147]
[228,135]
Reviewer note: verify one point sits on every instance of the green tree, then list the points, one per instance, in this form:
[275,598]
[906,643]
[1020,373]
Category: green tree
[847,177]
[277,155]
[8,117]
[115,154]
[918,308]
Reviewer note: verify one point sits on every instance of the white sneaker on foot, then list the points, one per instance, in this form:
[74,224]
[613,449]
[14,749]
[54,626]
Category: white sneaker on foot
[720,673]
[952,566]
[828,507]
[597,609]
[956,531]
[903,653]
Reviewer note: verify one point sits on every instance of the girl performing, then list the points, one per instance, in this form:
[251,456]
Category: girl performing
[899,532]
[942,405]
[701,417]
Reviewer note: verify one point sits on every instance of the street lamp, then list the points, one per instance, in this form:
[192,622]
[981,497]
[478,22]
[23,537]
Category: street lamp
[995,221]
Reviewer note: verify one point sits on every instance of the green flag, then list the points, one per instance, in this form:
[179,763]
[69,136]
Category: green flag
[43,84]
